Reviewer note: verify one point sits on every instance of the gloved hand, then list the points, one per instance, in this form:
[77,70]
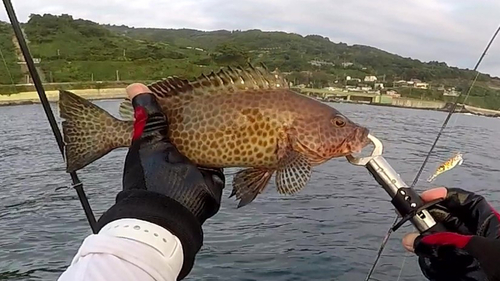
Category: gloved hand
[471,248]
[162,186]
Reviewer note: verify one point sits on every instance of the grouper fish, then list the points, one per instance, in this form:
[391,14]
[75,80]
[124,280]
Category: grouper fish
[236,117]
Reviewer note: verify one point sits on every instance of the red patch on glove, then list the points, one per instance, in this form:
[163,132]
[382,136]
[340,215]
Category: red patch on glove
[497,215]
[495,212]
[447,238]
[140,122]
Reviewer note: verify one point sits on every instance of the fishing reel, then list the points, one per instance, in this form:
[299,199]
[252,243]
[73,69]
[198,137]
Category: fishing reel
[408,204]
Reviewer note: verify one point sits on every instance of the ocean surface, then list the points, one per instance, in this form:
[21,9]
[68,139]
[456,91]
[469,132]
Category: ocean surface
[329,231]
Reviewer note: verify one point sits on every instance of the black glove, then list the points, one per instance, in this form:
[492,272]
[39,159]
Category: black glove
[471,250]
[162,186]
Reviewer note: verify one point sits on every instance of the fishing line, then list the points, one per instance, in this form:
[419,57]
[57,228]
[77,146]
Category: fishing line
[77,184]
[402,266]
[441,131]
[381,249]
[421,169]
[445,123]
[451,112]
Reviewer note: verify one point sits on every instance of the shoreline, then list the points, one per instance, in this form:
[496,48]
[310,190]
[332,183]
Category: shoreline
[467,109]
[445,107]
[470,110]
[28,98]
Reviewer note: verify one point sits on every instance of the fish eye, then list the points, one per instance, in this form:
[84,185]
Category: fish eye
[338,121]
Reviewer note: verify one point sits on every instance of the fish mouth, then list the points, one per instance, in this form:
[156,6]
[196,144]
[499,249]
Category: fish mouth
[358,140]
[353,143]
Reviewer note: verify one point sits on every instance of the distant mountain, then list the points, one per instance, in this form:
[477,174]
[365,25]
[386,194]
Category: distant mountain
[81,50]
[293,52]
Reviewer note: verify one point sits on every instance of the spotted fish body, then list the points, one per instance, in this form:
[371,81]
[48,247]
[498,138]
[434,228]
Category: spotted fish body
[451,163]
[245,118]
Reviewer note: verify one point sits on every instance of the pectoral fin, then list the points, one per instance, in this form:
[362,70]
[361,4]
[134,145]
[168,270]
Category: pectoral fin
[295,169]
[294,173]
[126,110]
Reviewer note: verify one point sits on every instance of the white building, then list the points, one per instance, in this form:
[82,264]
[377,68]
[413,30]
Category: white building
[421,85]
[370,78]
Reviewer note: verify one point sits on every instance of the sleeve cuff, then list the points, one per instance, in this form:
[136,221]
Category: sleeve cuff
[163,211]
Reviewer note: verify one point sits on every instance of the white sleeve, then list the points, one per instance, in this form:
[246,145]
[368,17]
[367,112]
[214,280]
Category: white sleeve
[127,249]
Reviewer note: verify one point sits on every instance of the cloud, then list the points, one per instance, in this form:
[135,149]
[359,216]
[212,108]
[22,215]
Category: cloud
[445,30]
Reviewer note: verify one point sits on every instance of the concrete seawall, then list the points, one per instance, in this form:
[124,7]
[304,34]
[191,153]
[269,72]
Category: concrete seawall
[415,103]
[481,111]
[53,96]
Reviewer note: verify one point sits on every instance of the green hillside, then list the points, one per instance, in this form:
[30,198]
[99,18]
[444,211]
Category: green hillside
[74,50]
[10,71]
[294,52]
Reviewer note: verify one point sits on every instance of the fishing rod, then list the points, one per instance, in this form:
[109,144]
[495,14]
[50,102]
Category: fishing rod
[407,202]
[77,184]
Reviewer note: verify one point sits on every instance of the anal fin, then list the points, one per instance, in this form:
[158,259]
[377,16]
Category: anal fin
[249,183]
[294,173]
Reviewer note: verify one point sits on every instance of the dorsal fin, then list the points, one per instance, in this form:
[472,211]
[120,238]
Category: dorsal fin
[171,86]
[226,79]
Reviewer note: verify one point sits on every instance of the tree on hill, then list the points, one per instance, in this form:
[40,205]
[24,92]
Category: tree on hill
[229,54]
[10,71]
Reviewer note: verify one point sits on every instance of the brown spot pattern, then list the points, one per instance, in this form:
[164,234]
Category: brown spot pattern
[245,132]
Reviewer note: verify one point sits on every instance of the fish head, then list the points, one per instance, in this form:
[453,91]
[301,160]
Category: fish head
[332,135]
[340,136]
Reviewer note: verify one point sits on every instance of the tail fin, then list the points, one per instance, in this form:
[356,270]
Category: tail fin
[89,131]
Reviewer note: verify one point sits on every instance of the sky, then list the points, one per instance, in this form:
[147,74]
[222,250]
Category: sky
[453,31]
